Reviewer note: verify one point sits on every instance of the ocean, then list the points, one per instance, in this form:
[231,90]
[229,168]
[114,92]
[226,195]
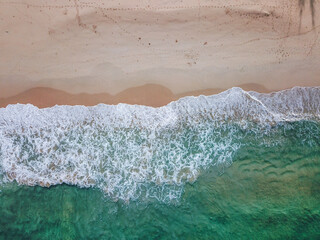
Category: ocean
[236,165]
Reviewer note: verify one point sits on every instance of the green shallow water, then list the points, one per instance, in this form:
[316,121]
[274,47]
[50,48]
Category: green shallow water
[271,191]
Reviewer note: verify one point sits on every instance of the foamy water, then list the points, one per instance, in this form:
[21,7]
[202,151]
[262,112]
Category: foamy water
[131,151]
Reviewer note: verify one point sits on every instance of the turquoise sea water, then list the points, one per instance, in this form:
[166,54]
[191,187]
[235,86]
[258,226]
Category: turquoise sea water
[232,166]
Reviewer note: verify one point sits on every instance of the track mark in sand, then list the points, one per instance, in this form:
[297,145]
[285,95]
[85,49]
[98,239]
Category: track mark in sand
[316,40]
[264,13]
[250,41]
[139,40]
[77,13]
[255,14]
[119,25]
[89,5]
[78,18]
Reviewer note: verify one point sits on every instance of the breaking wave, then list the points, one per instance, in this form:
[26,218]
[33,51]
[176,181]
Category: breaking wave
[132,151]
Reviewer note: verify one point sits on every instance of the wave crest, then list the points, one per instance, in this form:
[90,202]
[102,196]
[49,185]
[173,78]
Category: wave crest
[132,151]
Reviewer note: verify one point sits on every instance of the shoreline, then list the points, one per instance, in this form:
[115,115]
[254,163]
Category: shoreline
[188,45]
[152,95]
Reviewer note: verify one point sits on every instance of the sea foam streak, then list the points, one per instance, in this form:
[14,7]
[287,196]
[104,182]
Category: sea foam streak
[132,151]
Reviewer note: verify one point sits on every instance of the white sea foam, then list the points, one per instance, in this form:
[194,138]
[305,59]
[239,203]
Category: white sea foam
[137,151]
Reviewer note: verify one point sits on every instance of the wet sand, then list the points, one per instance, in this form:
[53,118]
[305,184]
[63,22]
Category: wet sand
[150,95]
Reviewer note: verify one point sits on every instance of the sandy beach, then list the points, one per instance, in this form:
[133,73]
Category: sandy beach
[233,164]
[149,95]
[151,52]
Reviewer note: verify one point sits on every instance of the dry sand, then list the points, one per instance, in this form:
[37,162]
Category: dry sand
[179,47]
